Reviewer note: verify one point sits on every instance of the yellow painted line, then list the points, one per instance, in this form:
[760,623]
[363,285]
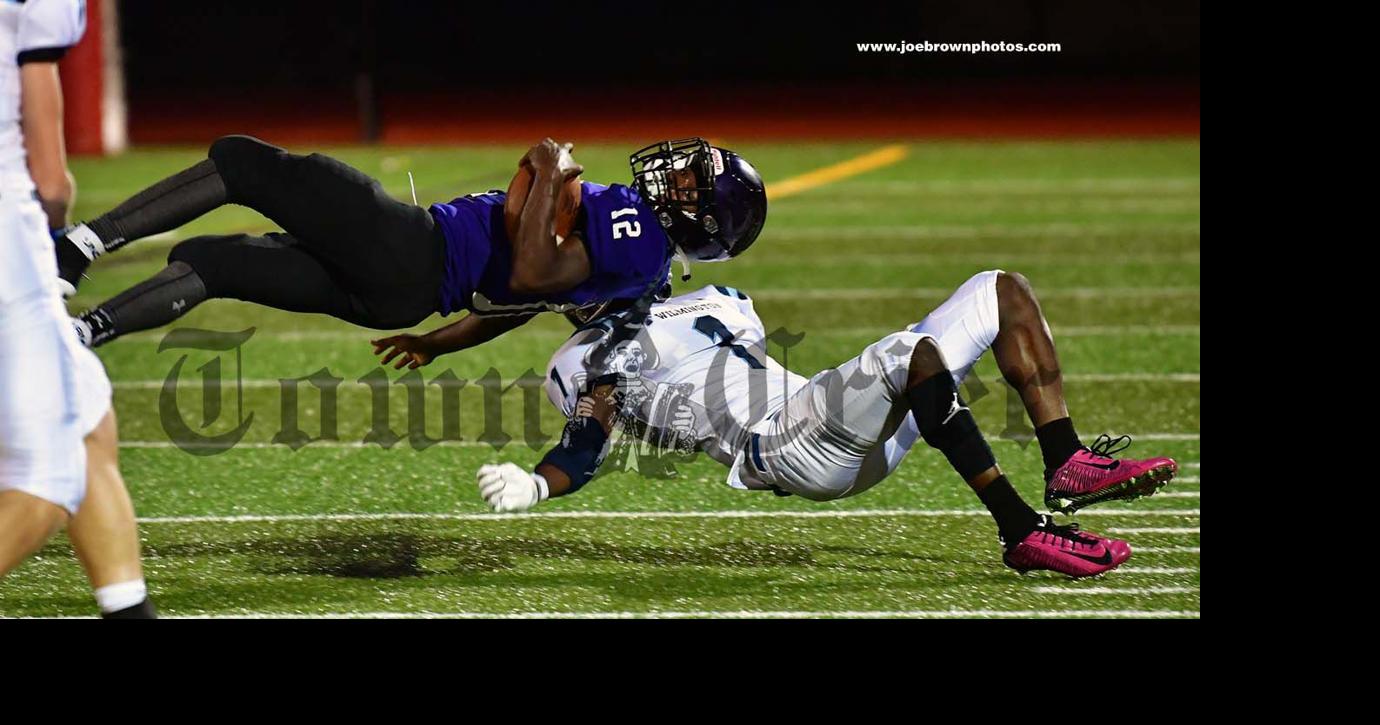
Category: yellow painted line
[885,156]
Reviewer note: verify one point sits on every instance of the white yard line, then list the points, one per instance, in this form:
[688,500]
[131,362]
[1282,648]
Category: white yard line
[729,614]
[1178,494]
[360,336]
[1012,261]
[318,445]
[1137,436]
[878,293]
[1150,529]
[1137,591]
[992,206]
[356,445]
[1165,550]
[194,381]
[630,515]
[1064,230]
[1158,570]
[1131,378]
[1033,186]
[1112,330]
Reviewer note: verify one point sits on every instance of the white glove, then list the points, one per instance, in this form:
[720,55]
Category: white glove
[507,488]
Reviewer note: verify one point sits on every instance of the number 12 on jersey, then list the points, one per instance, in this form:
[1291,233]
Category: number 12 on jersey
[626,228]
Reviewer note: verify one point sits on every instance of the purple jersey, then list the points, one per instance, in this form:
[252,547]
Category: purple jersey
[628,253]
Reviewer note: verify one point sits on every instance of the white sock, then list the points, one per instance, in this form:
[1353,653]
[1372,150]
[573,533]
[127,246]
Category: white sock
[87,241]
[114,597]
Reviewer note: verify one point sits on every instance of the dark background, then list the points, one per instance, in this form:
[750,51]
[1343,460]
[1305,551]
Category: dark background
[376,64]
[179,45]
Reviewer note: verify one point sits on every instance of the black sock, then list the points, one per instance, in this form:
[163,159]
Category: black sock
[1058,443]
[142,610]
[1015,519]
[165,206]
[101,325]
[152,303]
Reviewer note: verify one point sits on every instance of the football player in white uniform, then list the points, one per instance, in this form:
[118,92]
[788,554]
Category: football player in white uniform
[58,444]
[842,431]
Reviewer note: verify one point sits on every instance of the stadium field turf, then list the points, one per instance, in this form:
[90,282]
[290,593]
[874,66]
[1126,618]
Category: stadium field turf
[1108,232]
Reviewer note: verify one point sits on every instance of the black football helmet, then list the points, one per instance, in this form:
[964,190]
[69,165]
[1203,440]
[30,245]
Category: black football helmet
[710,201]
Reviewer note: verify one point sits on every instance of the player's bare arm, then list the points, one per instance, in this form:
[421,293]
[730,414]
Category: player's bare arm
[414,351]
[540,264]
[41,102]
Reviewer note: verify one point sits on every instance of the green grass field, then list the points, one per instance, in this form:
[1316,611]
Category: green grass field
[1108,232]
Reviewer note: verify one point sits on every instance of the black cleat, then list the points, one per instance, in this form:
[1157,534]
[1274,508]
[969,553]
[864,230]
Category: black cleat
[142,610]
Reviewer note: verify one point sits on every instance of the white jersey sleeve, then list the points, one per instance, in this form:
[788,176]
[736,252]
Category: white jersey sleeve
[567,371]
[47,28]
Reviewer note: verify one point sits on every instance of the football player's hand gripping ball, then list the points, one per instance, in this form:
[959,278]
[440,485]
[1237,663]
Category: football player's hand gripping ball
[552,158]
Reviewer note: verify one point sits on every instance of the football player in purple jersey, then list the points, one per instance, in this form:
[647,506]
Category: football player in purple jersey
[350,250]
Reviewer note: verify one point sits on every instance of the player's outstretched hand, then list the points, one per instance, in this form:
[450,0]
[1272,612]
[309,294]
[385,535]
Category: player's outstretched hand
[410,350]
[509,489]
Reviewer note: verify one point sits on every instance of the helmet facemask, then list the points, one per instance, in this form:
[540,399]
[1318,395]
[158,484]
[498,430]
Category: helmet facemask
[676,178]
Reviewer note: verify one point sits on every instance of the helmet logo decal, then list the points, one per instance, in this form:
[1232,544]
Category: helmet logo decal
[710,225]
[665,219]
[718,157]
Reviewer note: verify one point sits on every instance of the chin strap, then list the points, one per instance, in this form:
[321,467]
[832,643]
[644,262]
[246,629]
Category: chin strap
[684,265]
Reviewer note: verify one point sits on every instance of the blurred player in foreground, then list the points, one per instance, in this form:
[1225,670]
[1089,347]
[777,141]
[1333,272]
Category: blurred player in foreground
[843,431]
[350,250]
[58,443]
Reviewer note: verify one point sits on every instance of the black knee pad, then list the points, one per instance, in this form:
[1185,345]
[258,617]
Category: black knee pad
[240,160]
[940,411]
[190,251]
[946,424]
[236,147]
[200,253]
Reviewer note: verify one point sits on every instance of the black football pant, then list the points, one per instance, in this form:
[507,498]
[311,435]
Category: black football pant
[347,248]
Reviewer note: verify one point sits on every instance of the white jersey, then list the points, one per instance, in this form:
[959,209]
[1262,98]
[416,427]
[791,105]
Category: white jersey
[705,378]
[36,30]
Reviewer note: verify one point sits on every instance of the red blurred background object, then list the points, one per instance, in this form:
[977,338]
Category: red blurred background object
[93,86]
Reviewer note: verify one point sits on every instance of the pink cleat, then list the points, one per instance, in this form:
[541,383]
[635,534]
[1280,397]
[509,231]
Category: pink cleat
[1092,476]
[1066,550]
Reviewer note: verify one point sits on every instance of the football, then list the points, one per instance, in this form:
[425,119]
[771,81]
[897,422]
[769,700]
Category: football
[567,205]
